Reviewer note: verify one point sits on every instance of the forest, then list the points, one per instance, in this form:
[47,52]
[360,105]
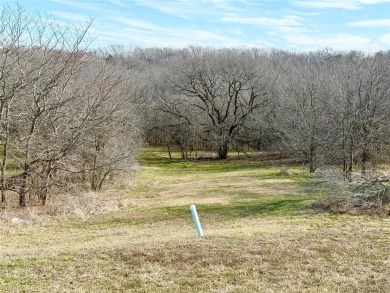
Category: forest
[73,117]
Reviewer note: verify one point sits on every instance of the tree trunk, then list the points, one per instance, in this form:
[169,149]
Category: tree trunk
[94,179]
[223,150]
[350,163]
[365,159]
[5,150]
[23,188]
[312,166]
[45,188]
[348,149]
[345,161]
[169,152]
[102,179]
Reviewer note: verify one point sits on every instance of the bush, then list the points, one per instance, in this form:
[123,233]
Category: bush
[361,197]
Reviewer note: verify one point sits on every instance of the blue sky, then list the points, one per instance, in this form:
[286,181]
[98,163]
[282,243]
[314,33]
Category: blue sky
[296,25]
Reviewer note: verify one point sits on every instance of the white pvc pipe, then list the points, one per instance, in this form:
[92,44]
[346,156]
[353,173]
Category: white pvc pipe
[196,220]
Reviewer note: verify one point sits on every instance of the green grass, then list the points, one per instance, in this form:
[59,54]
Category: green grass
[243,201]
[158,157]
[261,235]
[281,207]
[6,281]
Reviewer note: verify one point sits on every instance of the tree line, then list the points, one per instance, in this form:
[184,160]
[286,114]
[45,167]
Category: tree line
[72,117]
[323,107]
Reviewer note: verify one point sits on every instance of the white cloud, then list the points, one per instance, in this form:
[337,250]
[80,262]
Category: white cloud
[303,39]
[372,23]
[137,23]
[76,4]
[223,4]
[70,16]
[116,2]
[385,40]
[342,4]
[88,6]
[263,21]
[349,5]
[215,23]
[374,1]
[149,35]
[188,8]
[177,8]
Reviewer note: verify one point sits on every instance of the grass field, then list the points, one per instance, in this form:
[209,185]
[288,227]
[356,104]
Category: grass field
[261,235]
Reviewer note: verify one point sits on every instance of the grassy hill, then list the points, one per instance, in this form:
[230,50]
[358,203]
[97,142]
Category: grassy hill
[261,235]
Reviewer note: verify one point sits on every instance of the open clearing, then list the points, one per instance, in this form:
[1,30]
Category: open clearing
[261,235]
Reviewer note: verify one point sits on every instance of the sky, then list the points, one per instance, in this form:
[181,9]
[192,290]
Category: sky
[293,25]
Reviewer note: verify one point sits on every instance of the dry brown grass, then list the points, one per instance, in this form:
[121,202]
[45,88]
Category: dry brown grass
[303,254]
[150,245]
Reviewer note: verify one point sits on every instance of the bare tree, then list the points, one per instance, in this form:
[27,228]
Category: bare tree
[54,57]
[361,104]
[111,135]
[63,111]
[303,118]
[14,22]
[32,64]
[219,89]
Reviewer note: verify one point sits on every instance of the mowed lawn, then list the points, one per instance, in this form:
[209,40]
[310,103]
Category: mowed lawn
[261,235]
